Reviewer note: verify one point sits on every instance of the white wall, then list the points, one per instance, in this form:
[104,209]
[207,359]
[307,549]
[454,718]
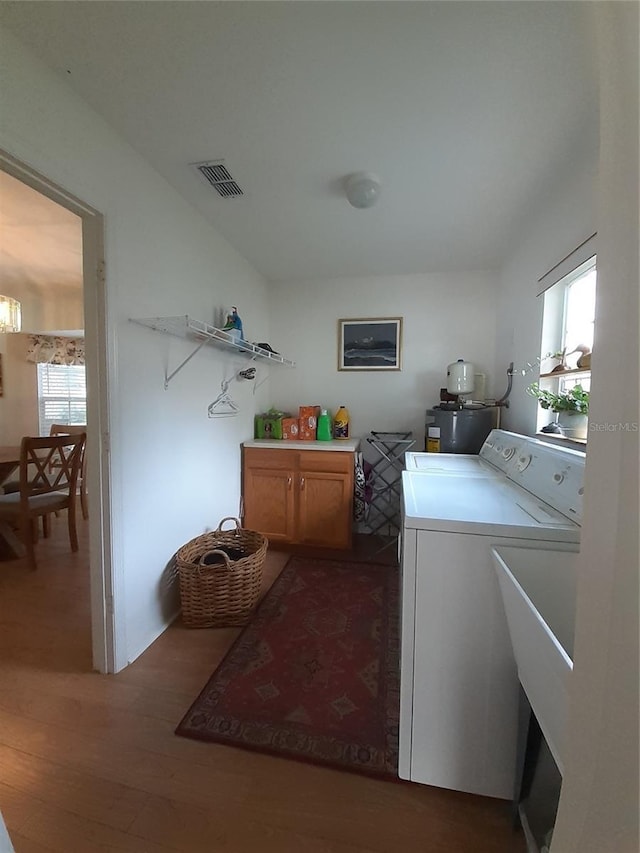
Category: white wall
[19,402]
[174,471]
[599,803]
[445,317]
[561,220]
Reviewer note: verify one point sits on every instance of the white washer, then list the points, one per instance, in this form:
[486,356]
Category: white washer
[458,679]
[496,456]
[451,464]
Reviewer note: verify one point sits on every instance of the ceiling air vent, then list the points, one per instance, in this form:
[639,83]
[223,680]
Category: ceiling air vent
[219,177]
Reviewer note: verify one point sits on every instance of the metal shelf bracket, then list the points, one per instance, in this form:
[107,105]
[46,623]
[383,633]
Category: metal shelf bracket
[169,377]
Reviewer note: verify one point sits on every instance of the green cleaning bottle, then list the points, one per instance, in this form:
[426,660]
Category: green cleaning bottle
[341,423]
[323,432]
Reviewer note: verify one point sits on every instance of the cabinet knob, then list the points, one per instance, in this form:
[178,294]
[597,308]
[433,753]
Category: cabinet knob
[289,481]
[301,483]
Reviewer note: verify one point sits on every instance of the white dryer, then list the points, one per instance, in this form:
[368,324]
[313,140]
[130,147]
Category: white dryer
[458,681]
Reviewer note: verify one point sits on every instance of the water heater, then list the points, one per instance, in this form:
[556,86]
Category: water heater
[458,430]
[460,377]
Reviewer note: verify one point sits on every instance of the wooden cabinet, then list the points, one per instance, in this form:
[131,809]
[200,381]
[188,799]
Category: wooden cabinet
[269,501]
[300,497]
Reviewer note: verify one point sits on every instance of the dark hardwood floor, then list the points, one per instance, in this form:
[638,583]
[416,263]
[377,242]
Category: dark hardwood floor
[91,762]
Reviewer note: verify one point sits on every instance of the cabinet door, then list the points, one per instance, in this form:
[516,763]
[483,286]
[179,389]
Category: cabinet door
[324,508]
[269,496]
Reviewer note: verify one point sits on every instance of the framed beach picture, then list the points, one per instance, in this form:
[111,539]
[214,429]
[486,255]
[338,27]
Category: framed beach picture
[373,343]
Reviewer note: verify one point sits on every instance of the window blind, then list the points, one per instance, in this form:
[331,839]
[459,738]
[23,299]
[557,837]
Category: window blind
[62,395]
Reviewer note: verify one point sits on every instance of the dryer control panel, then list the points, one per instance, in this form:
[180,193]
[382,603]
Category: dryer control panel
[553,474]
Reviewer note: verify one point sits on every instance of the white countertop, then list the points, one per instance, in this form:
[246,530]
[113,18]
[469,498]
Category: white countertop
[349,445]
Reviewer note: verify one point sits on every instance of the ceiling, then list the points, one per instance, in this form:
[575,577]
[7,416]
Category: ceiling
[40,245]
[465,110]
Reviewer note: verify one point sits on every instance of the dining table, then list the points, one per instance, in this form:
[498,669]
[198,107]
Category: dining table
[10,545]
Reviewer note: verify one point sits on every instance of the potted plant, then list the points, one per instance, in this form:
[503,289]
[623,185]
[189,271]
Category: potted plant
[572,407]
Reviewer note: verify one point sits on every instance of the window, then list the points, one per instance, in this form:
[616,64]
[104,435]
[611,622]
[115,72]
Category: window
[580,309]
[568,329]
[579,320]
[62,395]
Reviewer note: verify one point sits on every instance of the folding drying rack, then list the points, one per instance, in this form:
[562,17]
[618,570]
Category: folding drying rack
[386,481]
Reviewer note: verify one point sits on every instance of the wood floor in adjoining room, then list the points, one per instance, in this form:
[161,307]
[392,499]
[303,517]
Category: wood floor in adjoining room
[90,762]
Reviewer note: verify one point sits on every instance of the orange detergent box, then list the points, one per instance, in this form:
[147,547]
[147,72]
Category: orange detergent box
[308,417]
[290,428]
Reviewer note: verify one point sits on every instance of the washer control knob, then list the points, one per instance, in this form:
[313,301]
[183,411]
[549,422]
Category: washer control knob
[523,462]
[581,490]
[558,478]
[508,452]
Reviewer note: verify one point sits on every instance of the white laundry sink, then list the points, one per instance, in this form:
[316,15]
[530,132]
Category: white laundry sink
[539,593]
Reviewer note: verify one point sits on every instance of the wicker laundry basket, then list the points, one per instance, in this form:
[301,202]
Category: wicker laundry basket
[226,593]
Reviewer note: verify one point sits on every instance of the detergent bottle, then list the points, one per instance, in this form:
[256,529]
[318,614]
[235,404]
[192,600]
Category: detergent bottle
[324,426]
[341,423]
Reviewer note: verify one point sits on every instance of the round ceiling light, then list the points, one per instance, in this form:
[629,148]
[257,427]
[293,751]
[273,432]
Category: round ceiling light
[362,189]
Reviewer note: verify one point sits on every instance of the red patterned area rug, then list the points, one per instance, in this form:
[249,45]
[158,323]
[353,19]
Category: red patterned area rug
[315,675]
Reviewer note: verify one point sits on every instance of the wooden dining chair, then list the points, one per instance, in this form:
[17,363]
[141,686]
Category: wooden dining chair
[63,429]
[69,429]
[49,469]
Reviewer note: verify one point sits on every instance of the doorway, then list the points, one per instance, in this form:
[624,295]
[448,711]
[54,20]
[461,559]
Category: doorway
[94,328]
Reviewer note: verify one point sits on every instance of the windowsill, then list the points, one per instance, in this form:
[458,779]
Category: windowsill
[555,438]
[569,371]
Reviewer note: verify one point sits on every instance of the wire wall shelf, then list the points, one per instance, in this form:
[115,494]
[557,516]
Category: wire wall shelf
[186,327]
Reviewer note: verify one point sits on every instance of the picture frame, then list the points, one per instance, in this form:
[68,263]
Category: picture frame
[370,343]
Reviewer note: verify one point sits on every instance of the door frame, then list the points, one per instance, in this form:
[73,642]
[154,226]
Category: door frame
[103,633]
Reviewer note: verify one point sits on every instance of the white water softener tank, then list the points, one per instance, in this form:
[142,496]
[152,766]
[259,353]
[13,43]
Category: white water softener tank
[460,377]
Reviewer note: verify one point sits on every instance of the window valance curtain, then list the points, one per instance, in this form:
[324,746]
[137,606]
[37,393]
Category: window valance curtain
[48,349]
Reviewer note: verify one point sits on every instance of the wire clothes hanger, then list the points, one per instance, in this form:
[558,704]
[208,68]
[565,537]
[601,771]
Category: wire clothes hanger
[224,406]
